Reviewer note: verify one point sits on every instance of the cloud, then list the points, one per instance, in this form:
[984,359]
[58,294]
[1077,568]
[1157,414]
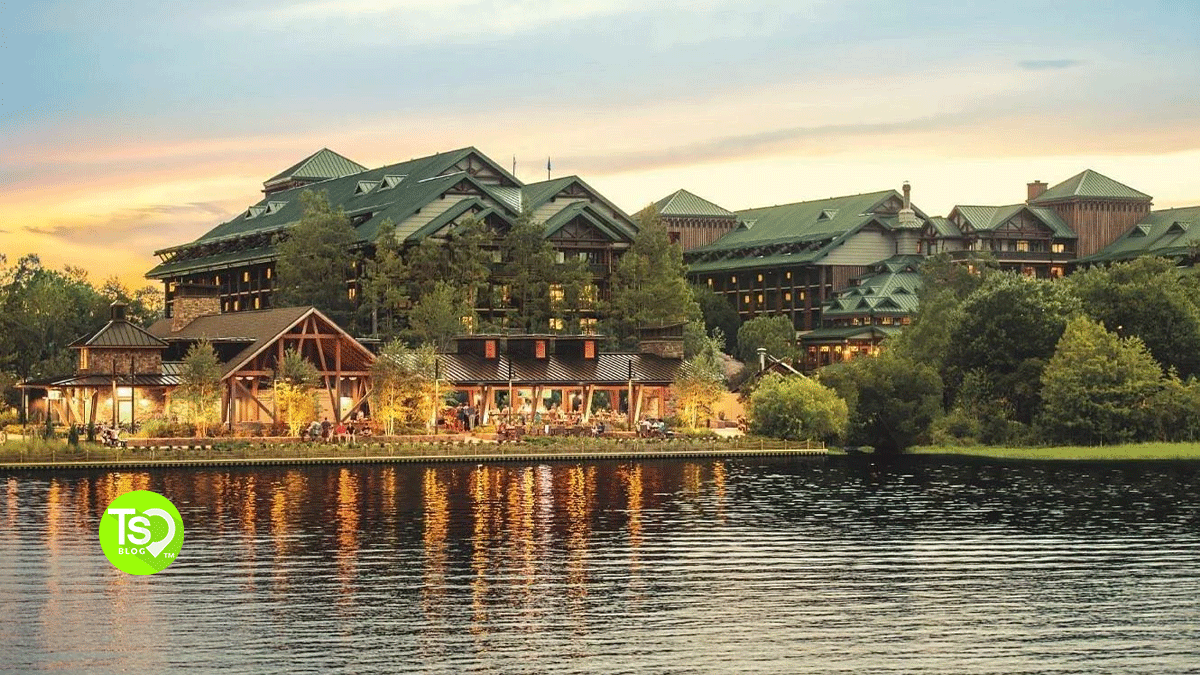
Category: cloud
[146,227]
[749,145]
[1049,64]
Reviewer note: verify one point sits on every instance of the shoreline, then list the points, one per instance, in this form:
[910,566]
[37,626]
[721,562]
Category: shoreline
[1131,452]
[209,456]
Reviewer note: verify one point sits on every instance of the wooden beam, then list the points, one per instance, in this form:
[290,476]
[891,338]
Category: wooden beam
[239,385]
[589,392]
[337,366]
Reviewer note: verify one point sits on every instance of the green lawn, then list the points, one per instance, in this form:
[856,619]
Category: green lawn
[1132,451]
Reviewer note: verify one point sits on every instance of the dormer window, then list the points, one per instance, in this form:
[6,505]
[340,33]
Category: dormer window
[255,211]
[390,182]
[365,186]
[274,207]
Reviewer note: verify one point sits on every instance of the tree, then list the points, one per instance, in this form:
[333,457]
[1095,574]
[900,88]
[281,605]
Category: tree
[385,283]
[1098,387]
[529,261]
[1149,299]
[295,391]
[649,283]
[796,408]
[199,393]
[316,259]
[440,315]
[700,381]
[718,313]
[774,333]
[1008,329]
[892,399]
[404,388]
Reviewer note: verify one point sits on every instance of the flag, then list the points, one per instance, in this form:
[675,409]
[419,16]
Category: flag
[547,166]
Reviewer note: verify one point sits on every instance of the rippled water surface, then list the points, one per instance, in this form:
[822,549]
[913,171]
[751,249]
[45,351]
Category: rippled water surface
[771,566]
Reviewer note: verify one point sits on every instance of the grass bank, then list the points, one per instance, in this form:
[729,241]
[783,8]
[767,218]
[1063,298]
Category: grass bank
[1131,451]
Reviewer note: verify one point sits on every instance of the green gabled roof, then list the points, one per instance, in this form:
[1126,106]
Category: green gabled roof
[800,221]
[1091,184]
[470,204]
[682,203]
[217,261]
[837,334]
[321,165]
[791,234]
[890,288]
[1170,233]
[944,228]
[426,178]
[988,218]
[601,220]
[119,333]
[534,195]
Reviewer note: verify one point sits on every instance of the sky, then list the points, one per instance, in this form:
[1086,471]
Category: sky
[127,127]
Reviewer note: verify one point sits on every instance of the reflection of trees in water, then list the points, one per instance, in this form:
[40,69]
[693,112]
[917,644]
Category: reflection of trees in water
[856,495]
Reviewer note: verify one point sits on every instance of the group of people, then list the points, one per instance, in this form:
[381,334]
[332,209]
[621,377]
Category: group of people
[342,432]
[110,436]
[652,428]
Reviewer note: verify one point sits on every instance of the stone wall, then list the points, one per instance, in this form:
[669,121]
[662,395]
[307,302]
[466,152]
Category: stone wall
[187,308]
[145,361]
[666,348]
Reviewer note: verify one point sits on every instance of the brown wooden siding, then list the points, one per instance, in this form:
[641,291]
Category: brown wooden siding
[1100,222]
[695,232]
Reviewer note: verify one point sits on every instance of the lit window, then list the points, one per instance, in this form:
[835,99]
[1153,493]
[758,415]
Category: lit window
[886,321]
[83,359]
[1056,272]
[1058,248]
[351,292]
[587,295]
[760,278]
[787,297]
[904,321]
[237,304]
[1023,246]
[124,392]
[268,272]
[760,298]
[801,295]
[588,326]
[788,276]
[246,276]
[257,302]
[746,300]
[556,292]
[560,257]
[710,283]
[732,279]
[556,324]
[468,323]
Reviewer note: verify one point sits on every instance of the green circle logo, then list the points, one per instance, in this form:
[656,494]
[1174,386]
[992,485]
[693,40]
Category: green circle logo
[141,532]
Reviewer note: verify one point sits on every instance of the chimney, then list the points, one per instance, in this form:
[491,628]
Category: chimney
[907,195]
[191,302]
[1036,188]
[117,311]
[662,341]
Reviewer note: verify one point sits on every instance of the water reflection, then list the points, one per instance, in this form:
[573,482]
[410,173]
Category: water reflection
[766,566]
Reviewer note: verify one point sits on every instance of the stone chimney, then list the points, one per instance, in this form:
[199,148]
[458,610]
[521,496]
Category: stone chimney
[191,302]
[1035,190]
[662,341]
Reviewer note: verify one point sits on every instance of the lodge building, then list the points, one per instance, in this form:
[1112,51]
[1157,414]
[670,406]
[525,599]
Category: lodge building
[844,269]
[420,198]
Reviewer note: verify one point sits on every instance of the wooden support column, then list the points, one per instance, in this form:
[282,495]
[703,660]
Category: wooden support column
[485,410]
[589,392]
[636,404]
[337,367]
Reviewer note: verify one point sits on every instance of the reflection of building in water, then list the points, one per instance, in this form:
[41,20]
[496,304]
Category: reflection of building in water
[436,521]
[347,518]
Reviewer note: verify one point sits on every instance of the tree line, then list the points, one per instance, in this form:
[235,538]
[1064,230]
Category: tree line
[1107,355]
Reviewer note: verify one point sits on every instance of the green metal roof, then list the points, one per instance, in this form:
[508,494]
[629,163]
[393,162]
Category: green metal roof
[890,288]
[988,218]
[120,333]
[321,165]
[793,234]
[425,180]
[1091,184]
[1170,233]
[613,229]
[682,203]
[944,228]
[838,334]
[535,195]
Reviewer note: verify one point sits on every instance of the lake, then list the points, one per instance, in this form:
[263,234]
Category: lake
[802,565]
